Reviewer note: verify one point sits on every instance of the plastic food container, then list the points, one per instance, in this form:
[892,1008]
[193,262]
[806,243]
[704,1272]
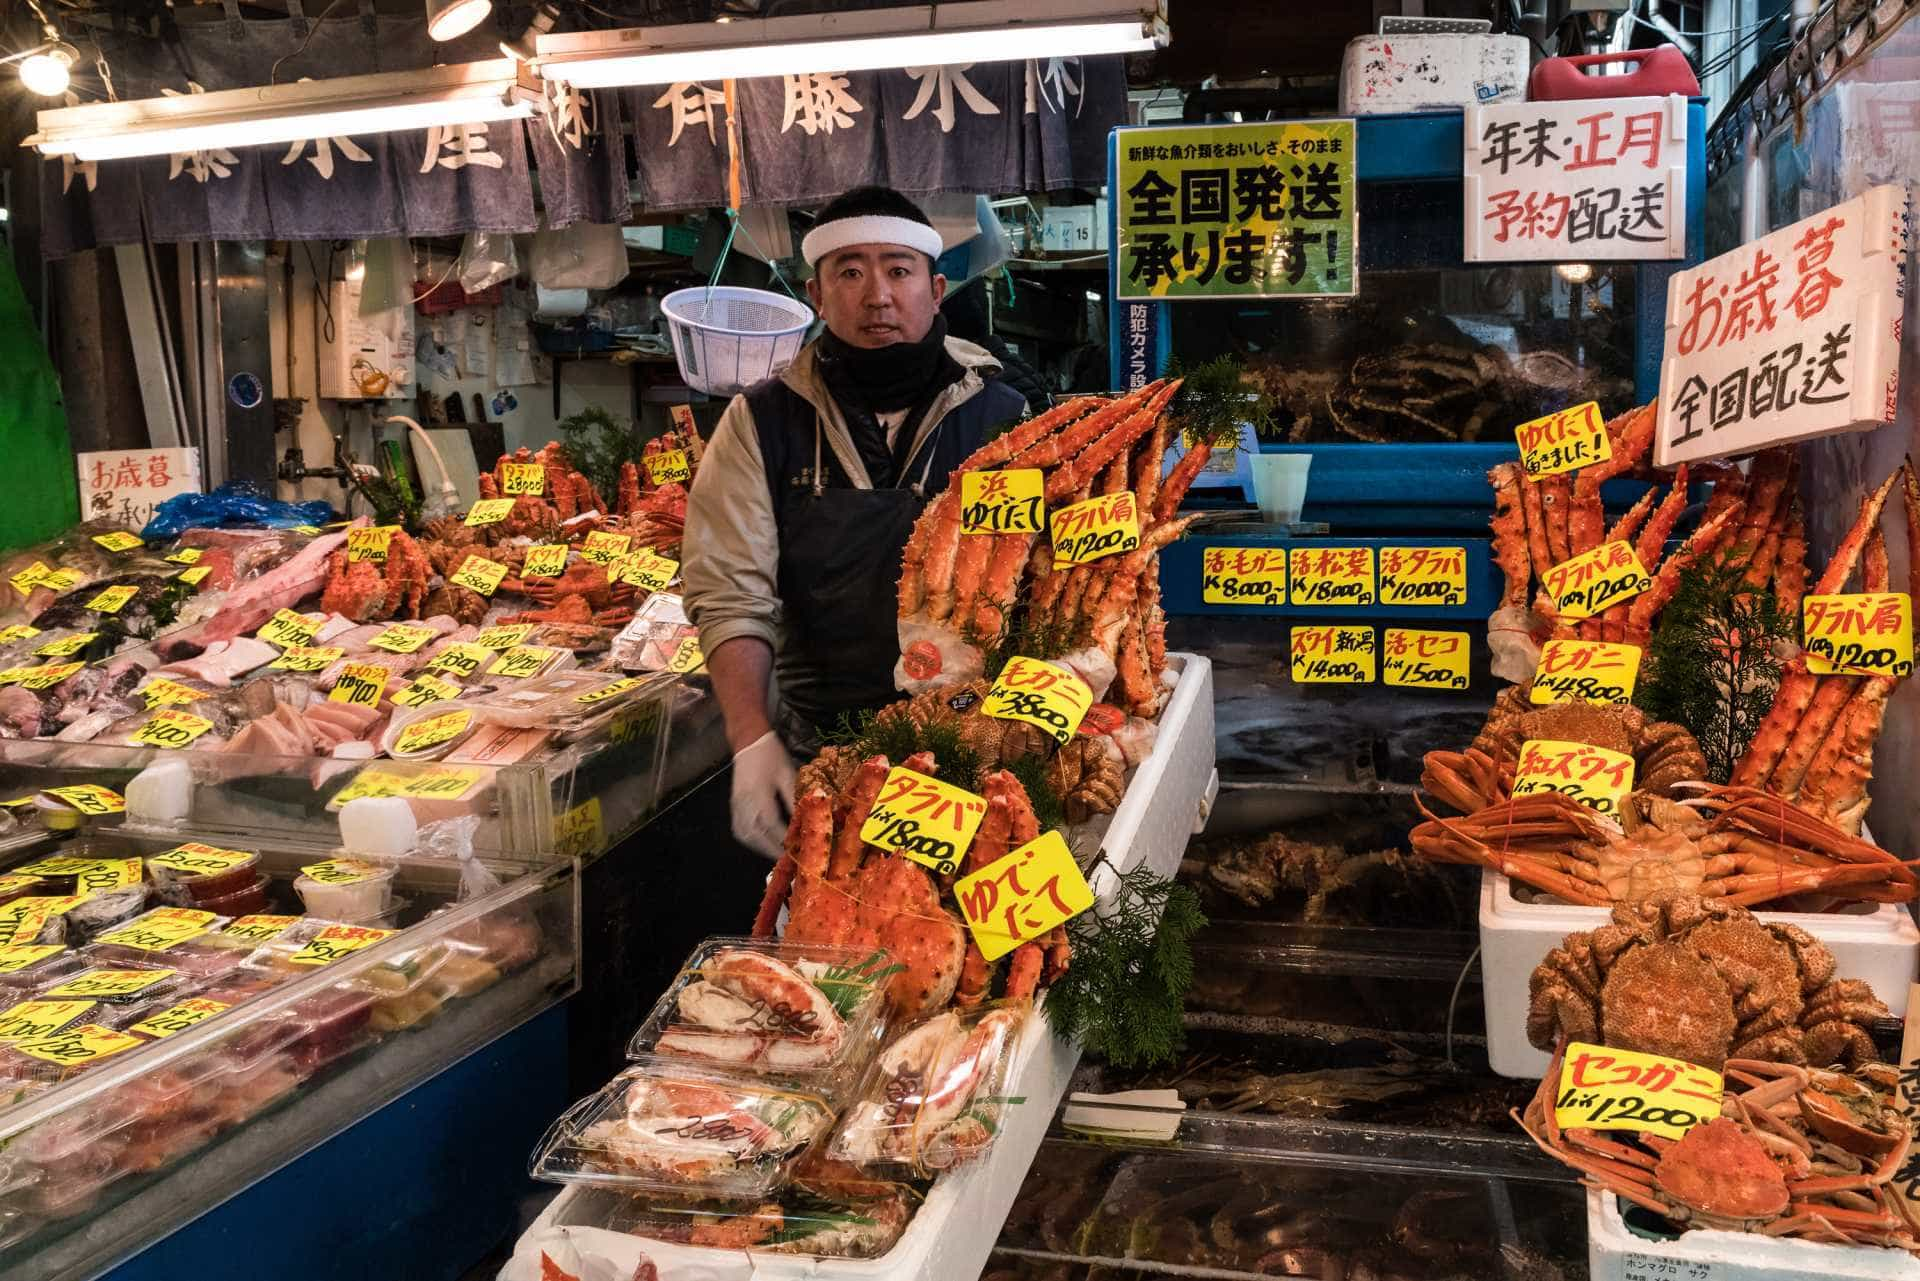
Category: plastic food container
[174,937]
[798,1223]
[329,1026]
[811,1015]
[30,967]
[554,701]
[116,984]
[106,911]
[367,894]
[249,897]
[37,1064]
[664,1127]
[214,876]
[934,1098]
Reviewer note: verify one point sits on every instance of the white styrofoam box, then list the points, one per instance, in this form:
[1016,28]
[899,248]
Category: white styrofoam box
[1881,946]
[953,1232]
[1616,1253]
[1382,74]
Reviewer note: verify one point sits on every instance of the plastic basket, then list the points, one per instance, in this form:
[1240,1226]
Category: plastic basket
[727,339]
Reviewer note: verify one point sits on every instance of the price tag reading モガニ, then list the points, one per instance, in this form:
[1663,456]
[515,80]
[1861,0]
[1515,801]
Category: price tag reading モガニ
[31,1020]
[1334,655]
[196,575]
[930,822]
[160,929]
[161,692]
[687,657]
[1596,580]
[194,1010]
[90,798]
[403,638]
[200,860]
[118,541]
[1003,502]
[342,871]
[525,660]
[489,511]
[1597,777]
[1566,441]
[477,573]
[523,478]
[1859,633]
[1047,697]
[545,560]
[1423,575]
[77,1045]
[1584,671]
[462,660]
[1243,575]
[1608,1089]
[113,599]
[110,982]
[425,689]
[580,831]
[505,636]
[261,929]
[171,727]
[431,731]
[603,548]
[360,684]
[308,658]
[67,646]
[648,570]
[1330,576]
[1415,659]
[669,467]
[289,628]
[1018,898]
[370,543]
[336,941]
[186,556]
[1089,531]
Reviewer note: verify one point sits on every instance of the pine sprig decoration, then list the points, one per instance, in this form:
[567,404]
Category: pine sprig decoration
[1132,964]
[1215,398]
[598,445]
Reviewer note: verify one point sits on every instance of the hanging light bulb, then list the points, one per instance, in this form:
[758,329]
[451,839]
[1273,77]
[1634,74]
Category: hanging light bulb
[450,19]
[45,70]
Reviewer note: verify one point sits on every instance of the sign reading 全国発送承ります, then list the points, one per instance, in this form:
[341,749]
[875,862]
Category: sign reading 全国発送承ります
[1793,336]
[1236,211]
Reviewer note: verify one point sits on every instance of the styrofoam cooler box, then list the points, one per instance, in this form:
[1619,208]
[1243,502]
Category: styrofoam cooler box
[1383,74]
[1881,946]
[954,1231]
[1616,1253]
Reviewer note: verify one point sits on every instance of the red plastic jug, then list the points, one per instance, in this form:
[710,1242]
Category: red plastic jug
[1661,71]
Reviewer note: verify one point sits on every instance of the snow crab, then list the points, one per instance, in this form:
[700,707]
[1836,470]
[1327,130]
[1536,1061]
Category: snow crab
[1700,979]
[1794,1153]
[369,591]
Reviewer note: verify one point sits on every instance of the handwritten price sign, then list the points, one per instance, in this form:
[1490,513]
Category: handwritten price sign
[1423,575]
[308,658]
[687,657]
[505,636]
[110,982]
[489,511]
[432,731]
[200,860]
[930,822]
[90,798]
[112,600]
[462,660]
[648,570]
[1339,655]
[1018,898]
[545,560]
[1097,528]
[1583,671]
[172,728]
[370,543]
[1003,502]
[118,541]
[1566,441]
[336,941]
[477,573]
[1243,575]
[19,631]
[31,1020]
[669,467]
[161,692]
[525,660]
[186,556]
[1596,580]
[360,684]
[1607,1089]
[189,1013]
[425,689]
[289,628]
[603,548]
[67,646]
[342,871]
[580,831]
[1331,576]
[49,676]
[162,928]
[1597,777]
[1414,659]
[1860,633]
[77,1045]
[261,929]
[1047,697]
[523,478]
[403,638]
[196,575]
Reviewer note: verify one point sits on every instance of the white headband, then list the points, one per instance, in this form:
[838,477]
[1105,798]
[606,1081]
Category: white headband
[869,229]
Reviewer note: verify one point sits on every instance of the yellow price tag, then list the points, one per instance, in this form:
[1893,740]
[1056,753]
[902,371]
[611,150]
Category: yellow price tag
[308,530]
[1089,531]
[1597,777]
[642,720]
[525,660]
[1018,898]
[648,570]
[425,689]
[30,577]
[523,478]
[161,692]
[360,684]
[930,822]
[62,580]
[1047,697]
[19,631]
[261,929]
[1003,502]
[371,781]
[289,628]
[489,511]
[185,556]
[1423,575]
[505,636]
[83,1044]
[336,941]
[1331,655]
[171,727]
[103,875]
[342,871]
[444,783]
[462,659]
[160,929]
[308,658]
[687,657]
[1597,580]
[1859,633]
[669,467]
[1584,671]
[49,676]
[403,638]
[431,731]
[196,575]
[580,832]
[22,920]
[477,573]
[17,958]
[189,1013]
[1243,575]
[57,865]
[545,560]
[603,548]
[1607,1089]
[1331,576]
[110,982]
[370,542]
[67,646]
[31,1020]
[1415,659]
[90,798]
[612,689]
[119,541]
[199,859]
[1566,441]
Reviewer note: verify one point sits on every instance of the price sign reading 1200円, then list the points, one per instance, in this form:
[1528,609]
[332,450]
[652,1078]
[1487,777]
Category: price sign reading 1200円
[1049,698]
[1607,1089]
[930,822]
[1597,777]
[1003,502]
[1243,576]
[1595,581]
[1584,671]
[1859,633]
[1414,659]
[1104,526]
[1334,655]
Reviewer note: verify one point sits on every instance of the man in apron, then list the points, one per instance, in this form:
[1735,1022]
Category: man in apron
[807,493]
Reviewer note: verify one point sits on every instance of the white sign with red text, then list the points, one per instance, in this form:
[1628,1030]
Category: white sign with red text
[125,485]
[1793,336]
[1576,181]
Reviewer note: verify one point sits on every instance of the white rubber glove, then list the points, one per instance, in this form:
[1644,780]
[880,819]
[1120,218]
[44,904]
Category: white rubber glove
[762,794]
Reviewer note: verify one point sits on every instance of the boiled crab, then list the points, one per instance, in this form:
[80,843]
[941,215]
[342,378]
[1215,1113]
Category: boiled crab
[369,591]
[563,485]
[694,1132]
[920,1106]
[745,1007]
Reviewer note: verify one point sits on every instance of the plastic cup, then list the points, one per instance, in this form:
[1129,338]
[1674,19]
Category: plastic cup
[1280,486]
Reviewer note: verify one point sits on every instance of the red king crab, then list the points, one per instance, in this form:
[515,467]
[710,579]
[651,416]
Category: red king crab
[369,591]
[569,491]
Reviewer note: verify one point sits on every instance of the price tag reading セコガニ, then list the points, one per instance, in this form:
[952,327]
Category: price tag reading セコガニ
[1018,898]
[1333,655]
[930,822]
[1583,671]
[1050,698]
[1859,633]
[1608,1089]
[1597,777]
[1097,528]
[1414,659]
[1243,575]
[1565,441]
[1597,580]
[1003,502]
[1423,576]
[1330,576]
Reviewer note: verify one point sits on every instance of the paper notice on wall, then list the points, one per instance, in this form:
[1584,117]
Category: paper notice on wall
[125,485]
[515,358]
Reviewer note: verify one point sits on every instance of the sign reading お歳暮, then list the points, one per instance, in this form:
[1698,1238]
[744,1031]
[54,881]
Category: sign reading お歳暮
[1793,336]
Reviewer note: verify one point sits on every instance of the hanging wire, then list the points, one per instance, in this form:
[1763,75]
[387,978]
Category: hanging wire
[735,226]
[273,76]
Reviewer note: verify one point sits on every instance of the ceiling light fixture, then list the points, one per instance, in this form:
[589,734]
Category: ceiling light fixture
[45,68]
[459,94]
[859,40]
[451,19]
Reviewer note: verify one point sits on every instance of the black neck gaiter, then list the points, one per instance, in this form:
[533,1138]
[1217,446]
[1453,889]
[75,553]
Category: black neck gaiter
[885,380]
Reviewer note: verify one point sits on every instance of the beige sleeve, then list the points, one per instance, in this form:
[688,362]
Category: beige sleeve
[730,556]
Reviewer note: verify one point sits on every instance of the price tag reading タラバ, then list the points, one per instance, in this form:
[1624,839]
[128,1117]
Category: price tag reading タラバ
[930,822]
[289,628]
[1859,633]
[489,511]
[360,684]
[669,467]
[1018,898]
[403,638]
[1335,655]
[113,599]
[1595,581]
[1049,698]
[1415,659]
[308,658]
[1243,575]
[370,543]
[1566,441]
[1607,1089]
[1423,575]
[1584,671]
[1597,777]
[171,727]
[1003,502]
[1330,576]
[603,547]
[1090,531]
[545,560]
[477,573]
[523,478]
[336,941]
